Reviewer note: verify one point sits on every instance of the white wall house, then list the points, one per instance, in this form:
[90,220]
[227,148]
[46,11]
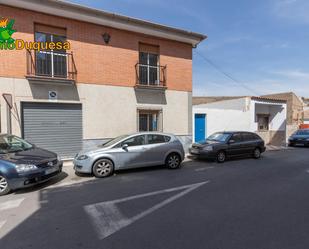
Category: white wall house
[266,117]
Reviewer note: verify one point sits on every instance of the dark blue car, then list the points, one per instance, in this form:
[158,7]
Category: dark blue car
[300,137]
[23,164]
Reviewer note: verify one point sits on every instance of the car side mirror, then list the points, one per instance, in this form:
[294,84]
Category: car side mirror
[125,147]
[232,141]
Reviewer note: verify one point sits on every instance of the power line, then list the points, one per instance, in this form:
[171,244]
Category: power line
[226,74]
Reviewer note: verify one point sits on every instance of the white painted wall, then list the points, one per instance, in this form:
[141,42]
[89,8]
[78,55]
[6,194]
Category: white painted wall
[225,115]
[240,114]
[277,112]
[108,111]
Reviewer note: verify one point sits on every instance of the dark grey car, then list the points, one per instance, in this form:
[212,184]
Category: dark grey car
[300,138]
[223,145]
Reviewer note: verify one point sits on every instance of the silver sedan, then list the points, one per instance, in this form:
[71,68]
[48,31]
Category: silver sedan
[131,151]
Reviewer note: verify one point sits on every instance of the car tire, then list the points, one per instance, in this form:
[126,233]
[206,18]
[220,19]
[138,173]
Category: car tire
[257,153]
[173,161]
[103,168]
[221,157]
[4,186]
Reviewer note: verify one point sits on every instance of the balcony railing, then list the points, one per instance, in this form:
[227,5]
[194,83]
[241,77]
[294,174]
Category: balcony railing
[51,65]
[152,76]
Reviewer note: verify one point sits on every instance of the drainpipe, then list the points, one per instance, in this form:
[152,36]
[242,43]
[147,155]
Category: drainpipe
[9,119]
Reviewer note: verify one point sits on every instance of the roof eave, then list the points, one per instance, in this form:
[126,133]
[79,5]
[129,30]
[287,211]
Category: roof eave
[91,15]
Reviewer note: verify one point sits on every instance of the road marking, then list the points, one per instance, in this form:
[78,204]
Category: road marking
[2,223]
[11,204]
[108,219]
[203,169]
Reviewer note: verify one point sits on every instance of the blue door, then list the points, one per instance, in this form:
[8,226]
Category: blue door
[200,127]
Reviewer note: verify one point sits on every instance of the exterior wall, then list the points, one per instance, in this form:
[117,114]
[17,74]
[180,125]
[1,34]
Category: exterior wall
[295,108]
[225,115]
[108,111]
[276,135]
[96,62]
[240,115]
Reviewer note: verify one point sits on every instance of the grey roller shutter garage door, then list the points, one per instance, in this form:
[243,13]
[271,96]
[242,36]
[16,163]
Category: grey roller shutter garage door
[55,127]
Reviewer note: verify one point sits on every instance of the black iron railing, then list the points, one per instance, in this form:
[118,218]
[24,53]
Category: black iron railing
[148,75]
[58,65]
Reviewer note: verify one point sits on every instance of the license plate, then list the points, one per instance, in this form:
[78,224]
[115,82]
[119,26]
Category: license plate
[299,144]
[50,171]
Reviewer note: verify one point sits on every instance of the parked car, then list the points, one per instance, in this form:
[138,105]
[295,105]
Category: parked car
[22,164]
[223,145]
[300,137]
[131,151]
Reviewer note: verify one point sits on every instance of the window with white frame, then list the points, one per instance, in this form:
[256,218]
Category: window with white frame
[49,62]
[149,68]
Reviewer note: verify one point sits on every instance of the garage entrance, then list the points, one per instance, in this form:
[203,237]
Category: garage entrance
[53,126]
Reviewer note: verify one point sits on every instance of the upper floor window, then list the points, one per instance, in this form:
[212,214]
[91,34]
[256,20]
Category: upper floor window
[148,69]
[52,63]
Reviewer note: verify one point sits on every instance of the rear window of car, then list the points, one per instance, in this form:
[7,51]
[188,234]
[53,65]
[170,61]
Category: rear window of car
[250,136]
[303,132]
[156,139]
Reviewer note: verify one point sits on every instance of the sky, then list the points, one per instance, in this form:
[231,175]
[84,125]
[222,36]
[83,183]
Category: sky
[262,46]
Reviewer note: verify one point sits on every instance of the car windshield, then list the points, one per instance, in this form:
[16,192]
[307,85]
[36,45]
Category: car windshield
[302,132]
[114,141]
[10,144]
[219,137]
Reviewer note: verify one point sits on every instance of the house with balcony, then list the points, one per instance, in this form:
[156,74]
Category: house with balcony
[120,75]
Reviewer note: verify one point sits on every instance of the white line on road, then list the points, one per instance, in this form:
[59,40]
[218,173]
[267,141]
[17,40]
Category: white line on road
[11,204]
[203,169]
[2,222]
[108,219]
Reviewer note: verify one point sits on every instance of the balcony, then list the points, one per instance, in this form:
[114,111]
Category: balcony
[150,77]
[49,66]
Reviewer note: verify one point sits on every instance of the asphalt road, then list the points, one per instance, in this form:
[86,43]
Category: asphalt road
[242,204]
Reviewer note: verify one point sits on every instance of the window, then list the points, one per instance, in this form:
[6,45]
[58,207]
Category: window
[134,141]
[220,137]
[249,136]
[149,69]
[148,120]
[263,122]
[49,62]
[156,139]
[237,137]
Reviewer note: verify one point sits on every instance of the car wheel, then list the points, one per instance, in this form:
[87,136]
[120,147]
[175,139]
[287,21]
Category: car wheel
[4,186]
[103,168]
[221,157]
[173,161]
[256,153]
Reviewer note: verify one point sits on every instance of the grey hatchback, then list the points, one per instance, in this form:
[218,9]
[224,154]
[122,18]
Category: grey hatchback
[131,151]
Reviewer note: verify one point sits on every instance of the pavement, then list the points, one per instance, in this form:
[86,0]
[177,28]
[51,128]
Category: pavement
[241,204]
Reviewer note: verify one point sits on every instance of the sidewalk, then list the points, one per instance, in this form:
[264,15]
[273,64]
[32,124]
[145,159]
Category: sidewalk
[277,148]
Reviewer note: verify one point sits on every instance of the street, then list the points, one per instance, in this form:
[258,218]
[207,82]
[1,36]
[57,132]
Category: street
[241,204]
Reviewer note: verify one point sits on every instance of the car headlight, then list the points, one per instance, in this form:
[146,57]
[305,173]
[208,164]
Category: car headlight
[58,158]
[208,148]
[22,168]
[82,157]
